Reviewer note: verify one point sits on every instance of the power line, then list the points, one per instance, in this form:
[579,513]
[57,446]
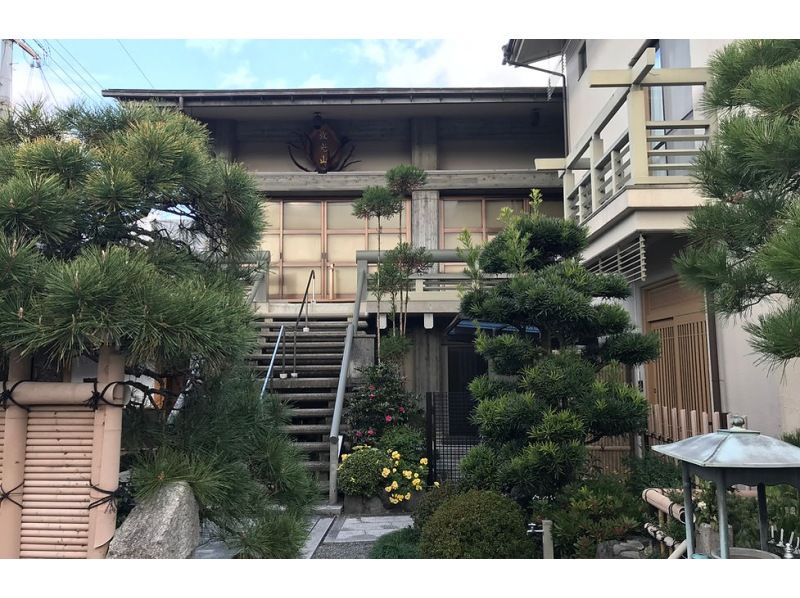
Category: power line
[78,73]
[78,90]
[52,59]
[135,63]
[88,72]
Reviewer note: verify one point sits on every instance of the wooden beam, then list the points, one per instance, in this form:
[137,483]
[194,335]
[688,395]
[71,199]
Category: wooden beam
[348,182]
[647,76]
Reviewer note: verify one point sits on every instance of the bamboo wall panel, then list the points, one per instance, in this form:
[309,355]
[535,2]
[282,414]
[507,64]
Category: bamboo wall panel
[2,431]
[609,454]
[692,361]
[58,463]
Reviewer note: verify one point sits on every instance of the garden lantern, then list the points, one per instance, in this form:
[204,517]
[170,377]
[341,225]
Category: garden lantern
[728,457]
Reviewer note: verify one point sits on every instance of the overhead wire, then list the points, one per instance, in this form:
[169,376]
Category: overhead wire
[136,64]
[58,64]
[55,73]
[77,73]
[78,90]
[88,72]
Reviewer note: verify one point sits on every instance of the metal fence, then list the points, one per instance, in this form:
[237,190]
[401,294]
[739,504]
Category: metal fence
[450,433]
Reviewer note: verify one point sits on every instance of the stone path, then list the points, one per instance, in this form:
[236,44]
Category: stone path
[341,537]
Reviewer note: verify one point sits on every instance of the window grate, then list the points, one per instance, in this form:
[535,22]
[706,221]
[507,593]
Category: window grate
[627,260]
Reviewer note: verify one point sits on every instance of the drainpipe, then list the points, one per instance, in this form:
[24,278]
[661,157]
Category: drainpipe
[563,94]
[713,357]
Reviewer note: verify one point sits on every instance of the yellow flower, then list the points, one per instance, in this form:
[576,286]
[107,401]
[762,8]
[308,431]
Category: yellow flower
[395,455]
[436,484]
[397,462]
[393,501]
[416,482]
[417,488]
[423,461]
[385,473]
[394,485]
[407,474]
[408,496]
[344,457]
[394,470]
[399,497]
[388,489]
[416,475]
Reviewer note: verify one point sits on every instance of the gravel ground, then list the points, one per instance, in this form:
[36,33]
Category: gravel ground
[343,550]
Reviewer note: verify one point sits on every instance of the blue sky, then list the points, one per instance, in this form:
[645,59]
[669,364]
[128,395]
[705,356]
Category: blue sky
[77,69]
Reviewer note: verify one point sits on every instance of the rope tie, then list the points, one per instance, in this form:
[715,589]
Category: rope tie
[6,396]
[108,499]
[7,495]
[97,397]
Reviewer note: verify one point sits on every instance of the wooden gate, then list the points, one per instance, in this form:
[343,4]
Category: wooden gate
[679,378]
[59,462]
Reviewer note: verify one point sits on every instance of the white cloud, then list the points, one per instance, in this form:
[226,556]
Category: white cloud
[217,47]
[475,62]
[317,81]
[241,77]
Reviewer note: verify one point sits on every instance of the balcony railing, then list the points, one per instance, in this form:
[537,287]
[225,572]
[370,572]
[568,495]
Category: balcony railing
[648,152]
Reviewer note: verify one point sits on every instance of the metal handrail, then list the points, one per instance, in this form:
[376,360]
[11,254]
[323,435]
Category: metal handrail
[335,437]
[271,364]
[304,303]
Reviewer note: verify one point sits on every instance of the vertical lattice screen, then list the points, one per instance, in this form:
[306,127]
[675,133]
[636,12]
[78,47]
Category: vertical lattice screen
[627,260]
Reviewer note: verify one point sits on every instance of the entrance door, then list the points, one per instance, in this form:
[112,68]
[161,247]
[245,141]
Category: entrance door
[679,378]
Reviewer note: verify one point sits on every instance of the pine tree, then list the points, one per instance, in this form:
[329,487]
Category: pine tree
[85,265]
[744,243]
[545,399]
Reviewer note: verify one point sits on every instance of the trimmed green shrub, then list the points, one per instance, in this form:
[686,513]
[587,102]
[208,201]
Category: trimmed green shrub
[476,525]
[406,440]
[360,471]
[485,387]
[400,544]
[479,469]
[395,347]
[430,501]
[652,471]
[588,512]
[508,353]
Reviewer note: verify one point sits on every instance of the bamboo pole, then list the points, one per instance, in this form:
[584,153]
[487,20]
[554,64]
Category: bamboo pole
[16,424]
[105,467]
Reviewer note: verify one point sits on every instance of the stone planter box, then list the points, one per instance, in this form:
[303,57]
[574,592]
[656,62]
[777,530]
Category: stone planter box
[361,505]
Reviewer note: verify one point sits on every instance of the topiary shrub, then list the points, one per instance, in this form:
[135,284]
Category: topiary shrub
[476,525]
[360,471]
[430,501]
[479,469]
[400,544]
[406,440]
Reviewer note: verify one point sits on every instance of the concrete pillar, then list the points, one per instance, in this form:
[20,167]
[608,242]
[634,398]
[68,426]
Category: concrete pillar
[425,219]
[424,203]
[224,134]
[424,143]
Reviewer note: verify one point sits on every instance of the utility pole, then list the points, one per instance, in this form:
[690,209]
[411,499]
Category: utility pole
[7,73]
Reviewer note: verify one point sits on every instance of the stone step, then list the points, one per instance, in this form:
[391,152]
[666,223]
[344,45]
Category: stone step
[307,368]
[313,447]
[304,429]
[317,465]
[303,346]
[288,327]
[302,397]
[312,412]
[331,357]
[313,334]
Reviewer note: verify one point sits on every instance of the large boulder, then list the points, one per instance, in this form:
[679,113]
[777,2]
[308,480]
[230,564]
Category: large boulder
[165,526]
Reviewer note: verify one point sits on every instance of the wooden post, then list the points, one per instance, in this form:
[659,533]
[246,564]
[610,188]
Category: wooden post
[13,455]
[684,426]
[637,133]
[704,423]
[693,416]
[105,459]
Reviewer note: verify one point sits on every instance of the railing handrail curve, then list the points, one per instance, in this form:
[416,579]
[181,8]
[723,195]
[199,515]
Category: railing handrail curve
[265,386]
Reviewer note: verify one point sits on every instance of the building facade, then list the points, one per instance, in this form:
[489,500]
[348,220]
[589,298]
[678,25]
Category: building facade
[634,125]
[314,151]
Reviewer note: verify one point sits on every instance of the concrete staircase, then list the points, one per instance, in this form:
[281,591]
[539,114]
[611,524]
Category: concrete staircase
[311,395]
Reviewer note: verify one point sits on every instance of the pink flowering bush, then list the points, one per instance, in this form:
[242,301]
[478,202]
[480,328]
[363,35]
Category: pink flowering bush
[381,402]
